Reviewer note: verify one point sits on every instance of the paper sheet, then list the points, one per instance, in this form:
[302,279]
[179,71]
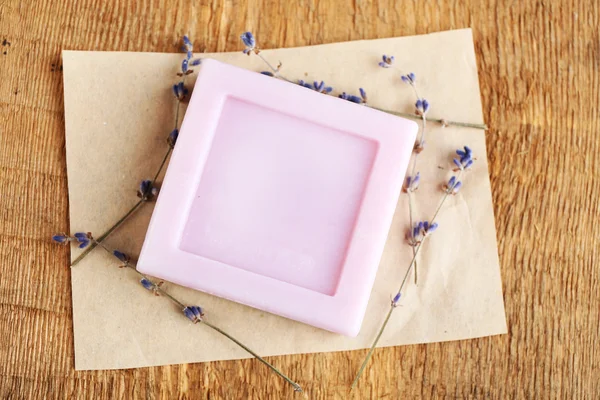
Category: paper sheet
[118,111]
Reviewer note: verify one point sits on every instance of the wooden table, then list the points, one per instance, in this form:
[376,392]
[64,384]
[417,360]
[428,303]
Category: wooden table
[539,65]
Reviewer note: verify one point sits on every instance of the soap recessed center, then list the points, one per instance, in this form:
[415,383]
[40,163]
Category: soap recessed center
[278,196]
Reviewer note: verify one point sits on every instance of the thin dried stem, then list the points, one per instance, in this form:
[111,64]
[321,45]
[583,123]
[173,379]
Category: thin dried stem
[107,233]
[393,306]
[110,230]
[441,121]
[182,306]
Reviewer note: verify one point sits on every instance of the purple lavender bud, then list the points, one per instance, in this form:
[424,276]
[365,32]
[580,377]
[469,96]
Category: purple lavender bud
[60,238]
[363,94]
[172,139]
[355,99]
[457,163]
[343,96]
[396,299]
[422,106]
[456,187]
[416,231]
[416,180]
[432,227]
[182,89]
[82,238]
[121,256]
[186,40]
[184,65]
[412,77]
[304,84]
[469,163]
[465,155]
[387,61]
[147,284]
[195,62]
[145,187]
[451,182]
[179,90]
[267,73]
[425,226]
[468,151]
[248,40]
[328,89]
[193,313]
[318,85]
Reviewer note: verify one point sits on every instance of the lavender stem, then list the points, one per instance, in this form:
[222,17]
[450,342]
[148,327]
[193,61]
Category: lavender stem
[181,305]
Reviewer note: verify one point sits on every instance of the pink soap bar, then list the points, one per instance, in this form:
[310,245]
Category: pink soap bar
[278,197]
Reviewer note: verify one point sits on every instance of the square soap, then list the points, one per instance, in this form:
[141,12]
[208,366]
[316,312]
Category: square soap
[278,197]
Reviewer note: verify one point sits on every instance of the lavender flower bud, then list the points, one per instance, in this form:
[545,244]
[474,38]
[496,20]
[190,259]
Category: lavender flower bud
[179,90]
[414,184]
[147,284]
[386,61]
[422,106]
[396,299]
[193,313]
[83,239]
[451,182]
[60,238]
[457,163]
[363,94]
[146,191]
[456,187]
[416,231]
[432,227]
[196,61]
[184,65]
[409,78]
[304,84]
[248,40]
[121,256]
[267,73]
[172,139]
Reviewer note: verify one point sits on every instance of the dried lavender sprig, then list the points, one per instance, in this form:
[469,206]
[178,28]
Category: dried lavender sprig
[442,121]
[385,322]
[251,47]
[149,284]
[171,140]
[107,233]
[465,161]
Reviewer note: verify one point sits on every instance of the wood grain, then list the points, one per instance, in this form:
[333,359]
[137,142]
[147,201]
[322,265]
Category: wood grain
[539,64]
